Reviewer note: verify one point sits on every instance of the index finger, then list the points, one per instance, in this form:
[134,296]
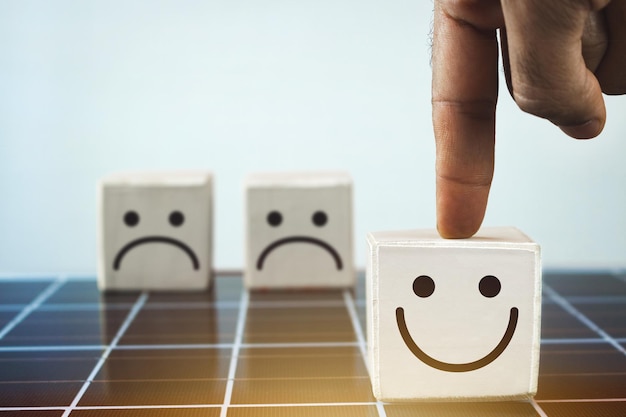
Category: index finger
[464,96]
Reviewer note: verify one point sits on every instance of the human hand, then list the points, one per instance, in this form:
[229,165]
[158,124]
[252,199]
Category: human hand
[558,55]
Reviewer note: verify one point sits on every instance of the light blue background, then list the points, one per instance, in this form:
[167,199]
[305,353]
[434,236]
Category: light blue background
[89,87]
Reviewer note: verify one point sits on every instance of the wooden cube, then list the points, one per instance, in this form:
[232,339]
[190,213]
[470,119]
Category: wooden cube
[155,231]
[453,319]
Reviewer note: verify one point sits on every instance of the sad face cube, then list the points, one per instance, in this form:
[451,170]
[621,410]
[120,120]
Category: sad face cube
[299,230]
[155,231]
[453,319]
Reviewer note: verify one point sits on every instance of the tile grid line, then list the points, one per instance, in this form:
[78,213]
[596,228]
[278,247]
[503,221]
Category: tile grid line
[350,303]
[538,408]
[232,368]
[38,301]
[141,301]
[567,306]
[70,348]
[186,406]
[361,339]
[584,400]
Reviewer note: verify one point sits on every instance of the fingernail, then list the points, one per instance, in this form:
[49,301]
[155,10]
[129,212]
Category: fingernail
[587,130]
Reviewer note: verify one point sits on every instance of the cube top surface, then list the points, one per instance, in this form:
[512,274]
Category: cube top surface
[158,178]
[299,179]
[488,237]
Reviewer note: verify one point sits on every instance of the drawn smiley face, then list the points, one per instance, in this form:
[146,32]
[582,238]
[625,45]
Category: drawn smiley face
[489,286]
[319,218]
[176,219]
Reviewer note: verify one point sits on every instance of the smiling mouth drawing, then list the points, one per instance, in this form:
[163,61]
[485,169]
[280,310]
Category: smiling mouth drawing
[155,239]
[299,239]
[457,367]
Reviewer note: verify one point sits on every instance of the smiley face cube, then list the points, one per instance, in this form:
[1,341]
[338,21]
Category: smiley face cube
[453,319]
[155,231]
[299,230]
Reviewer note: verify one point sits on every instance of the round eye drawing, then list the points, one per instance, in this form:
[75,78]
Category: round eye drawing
[423,286]
[176,218]
[274,218]
[319,218]
[489,286]
[131,218]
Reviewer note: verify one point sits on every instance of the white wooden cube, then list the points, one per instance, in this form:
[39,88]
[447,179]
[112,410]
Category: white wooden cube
[299,230]
[453,319]
[155,231]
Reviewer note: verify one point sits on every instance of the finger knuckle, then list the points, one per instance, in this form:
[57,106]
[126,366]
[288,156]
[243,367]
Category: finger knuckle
[539,103]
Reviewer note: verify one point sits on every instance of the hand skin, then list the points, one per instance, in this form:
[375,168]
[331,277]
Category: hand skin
[559,57]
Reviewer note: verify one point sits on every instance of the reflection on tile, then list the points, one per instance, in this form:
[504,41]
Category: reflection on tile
[86,291]
[71,327]
[611,317]
[22,292]
[32,413]
[6,317]
[294,363]
[182,326]
[38,394]
[307,324]
[121,393]
[587,409]
[557,323]
[562,387]
[151,412]
[585,284]
[491,409]
[305,411]
[228,288]
[296,295]
[299,391]
[205,297]
[46,366]
[161,364]
[601,358]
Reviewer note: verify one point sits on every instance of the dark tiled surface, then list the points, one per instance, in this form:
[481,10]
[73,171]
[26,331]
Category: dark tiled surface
[86,291]
[38,394]
[6,317]
[154,392]
[32,413]
[22,292]
[175,354]
[305,411]
[587,409]
[572,371]
[585,386]
[295,295]
[151,412]
[47,366]
[302,391]
[610,317]
[260,363]
[165,364]
[597,358]
[66,327]
[509,409]
[588,284]
[301,325]
[557,323]
[193,325]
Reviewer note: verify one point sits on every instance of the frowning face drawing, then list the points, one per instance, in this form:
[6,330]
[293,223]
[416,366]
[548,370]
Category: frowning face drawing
[156,232]
[299,232]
